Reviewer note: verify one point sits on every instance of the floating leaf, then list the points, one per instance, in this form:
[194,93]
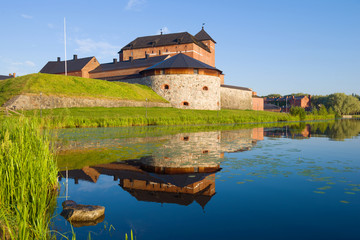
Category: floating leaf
[319,192]
[342,201]
[240,182]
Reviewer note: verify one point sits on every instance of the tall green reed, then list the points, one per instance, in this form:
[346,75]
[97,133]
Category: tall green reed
[28,180]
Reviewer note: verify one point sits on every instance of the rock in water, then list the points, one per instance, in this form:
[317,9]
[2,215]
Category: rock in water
[74,212]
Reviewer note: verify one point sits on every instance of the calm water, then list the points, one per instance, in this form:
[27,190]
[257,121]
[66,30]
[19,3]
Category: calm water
[286,182]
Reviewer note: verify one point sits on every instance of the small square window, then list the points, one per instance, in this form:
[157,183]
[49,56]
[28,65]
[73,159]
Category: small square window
[196,71]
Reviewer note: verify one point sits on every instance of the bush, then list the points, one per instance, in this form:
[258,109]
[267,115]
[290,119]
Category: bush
[298,111]
[314,111]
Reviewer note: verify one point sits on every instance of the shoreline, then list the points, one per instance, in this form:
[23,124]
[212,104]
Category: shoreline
[139,116]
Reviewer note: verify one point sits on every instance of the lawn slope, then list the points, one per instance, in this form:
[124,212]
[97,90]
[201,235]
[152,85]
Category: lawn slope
[69,86]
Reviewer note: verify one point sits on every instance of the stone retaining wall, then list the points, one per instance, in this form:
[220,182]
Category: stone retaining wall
[236,98]
[28,102]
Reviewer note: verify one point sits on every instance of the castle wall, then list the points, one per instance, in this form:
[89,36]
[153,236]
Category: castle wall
[190,49]
[232,98]
[258,103]
[119,72]
[89,67]
[187,91]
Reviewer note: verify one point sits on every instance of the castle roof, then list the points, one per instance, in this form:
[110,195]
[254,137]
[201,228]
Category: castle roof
[203,35]
[136,63]
[184,199]
[166,40]
[73,65]
[235,87]
[3,77]
[181,61]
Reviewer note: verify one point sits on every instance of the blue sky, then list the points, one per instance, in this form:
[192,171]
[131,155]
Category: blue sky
[271,46]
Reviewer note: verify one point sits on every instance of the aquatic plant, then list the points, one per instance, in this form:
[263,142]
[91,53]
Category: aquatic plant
[28,180]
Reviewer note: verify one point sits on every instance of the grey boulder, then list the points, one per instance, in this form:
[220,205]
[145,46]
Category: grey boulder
[74,212]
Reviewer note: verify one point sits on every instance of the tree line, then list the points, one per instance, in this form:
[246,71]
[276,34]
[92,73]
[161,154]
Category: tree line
[340,103]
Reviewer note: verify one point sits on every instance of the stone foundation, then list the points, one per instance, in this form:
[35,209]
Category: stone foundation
[28,102]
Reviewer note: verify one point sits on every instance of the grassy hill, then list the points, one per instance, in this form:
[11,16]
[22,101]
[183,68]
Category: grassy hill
[59,85]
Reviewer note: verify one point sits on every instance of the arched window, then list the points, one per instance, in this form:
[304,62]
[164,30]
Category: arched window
[185,103]
[165,87]
[205,88]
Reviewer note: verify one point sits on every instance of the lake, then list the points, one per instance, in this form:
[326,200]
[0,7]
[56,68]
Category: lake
[282,181]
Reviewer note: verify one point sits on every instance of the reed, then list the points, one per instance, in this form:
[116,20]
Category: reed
[28,180]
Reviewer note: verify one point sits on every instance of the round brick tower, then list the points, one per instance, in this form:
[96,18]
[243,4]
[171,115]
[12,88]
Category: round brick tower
[185,82]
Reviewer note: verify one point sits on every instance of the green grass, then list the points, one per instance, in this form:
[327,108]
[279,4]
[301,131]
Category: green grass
[28,180]
[139,116]
[59,85]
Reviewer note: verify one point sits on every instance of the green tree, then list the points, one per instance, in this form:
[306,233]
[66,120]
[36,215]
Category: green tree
[344,104]
[273,95]
[314,111]
[322,110]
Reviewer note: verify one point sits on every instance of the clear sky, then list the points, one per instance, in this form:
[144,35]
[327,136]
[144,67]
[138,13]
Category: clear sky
[271,46]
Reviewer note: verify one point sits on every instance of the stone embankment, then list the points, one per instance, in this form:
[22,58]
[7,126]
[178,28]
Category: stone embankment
[29,102]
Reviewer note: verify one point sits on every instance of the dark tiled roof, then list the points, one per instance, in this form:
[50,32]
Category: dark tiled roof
[3,77]
[184,199]
[181,61]
[54,67]
[203,35]
[121,77]
[271,106]
[164,40]
[136,63]
[236,87]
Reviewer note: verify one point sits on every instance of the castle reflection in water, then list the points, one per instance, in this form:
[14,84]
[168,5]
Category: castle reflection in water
[181,170]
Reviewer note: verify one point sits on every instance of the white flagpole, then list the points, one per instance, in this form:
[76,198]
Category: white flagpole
[65,45]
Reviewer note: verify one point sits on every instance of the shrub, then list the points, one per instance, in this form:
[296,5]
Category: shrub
[298,111]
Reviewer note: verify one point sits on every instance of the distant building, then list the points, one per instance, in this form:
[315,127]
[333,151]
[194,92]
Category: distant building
[78,67]
[271,107]
[285,103]
[3,77]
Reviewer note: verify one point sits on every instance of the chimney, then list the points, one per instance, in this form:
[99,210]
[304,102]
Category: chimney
[14,75]
[130,59]
[58,59]
[115,60]
[75,57]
